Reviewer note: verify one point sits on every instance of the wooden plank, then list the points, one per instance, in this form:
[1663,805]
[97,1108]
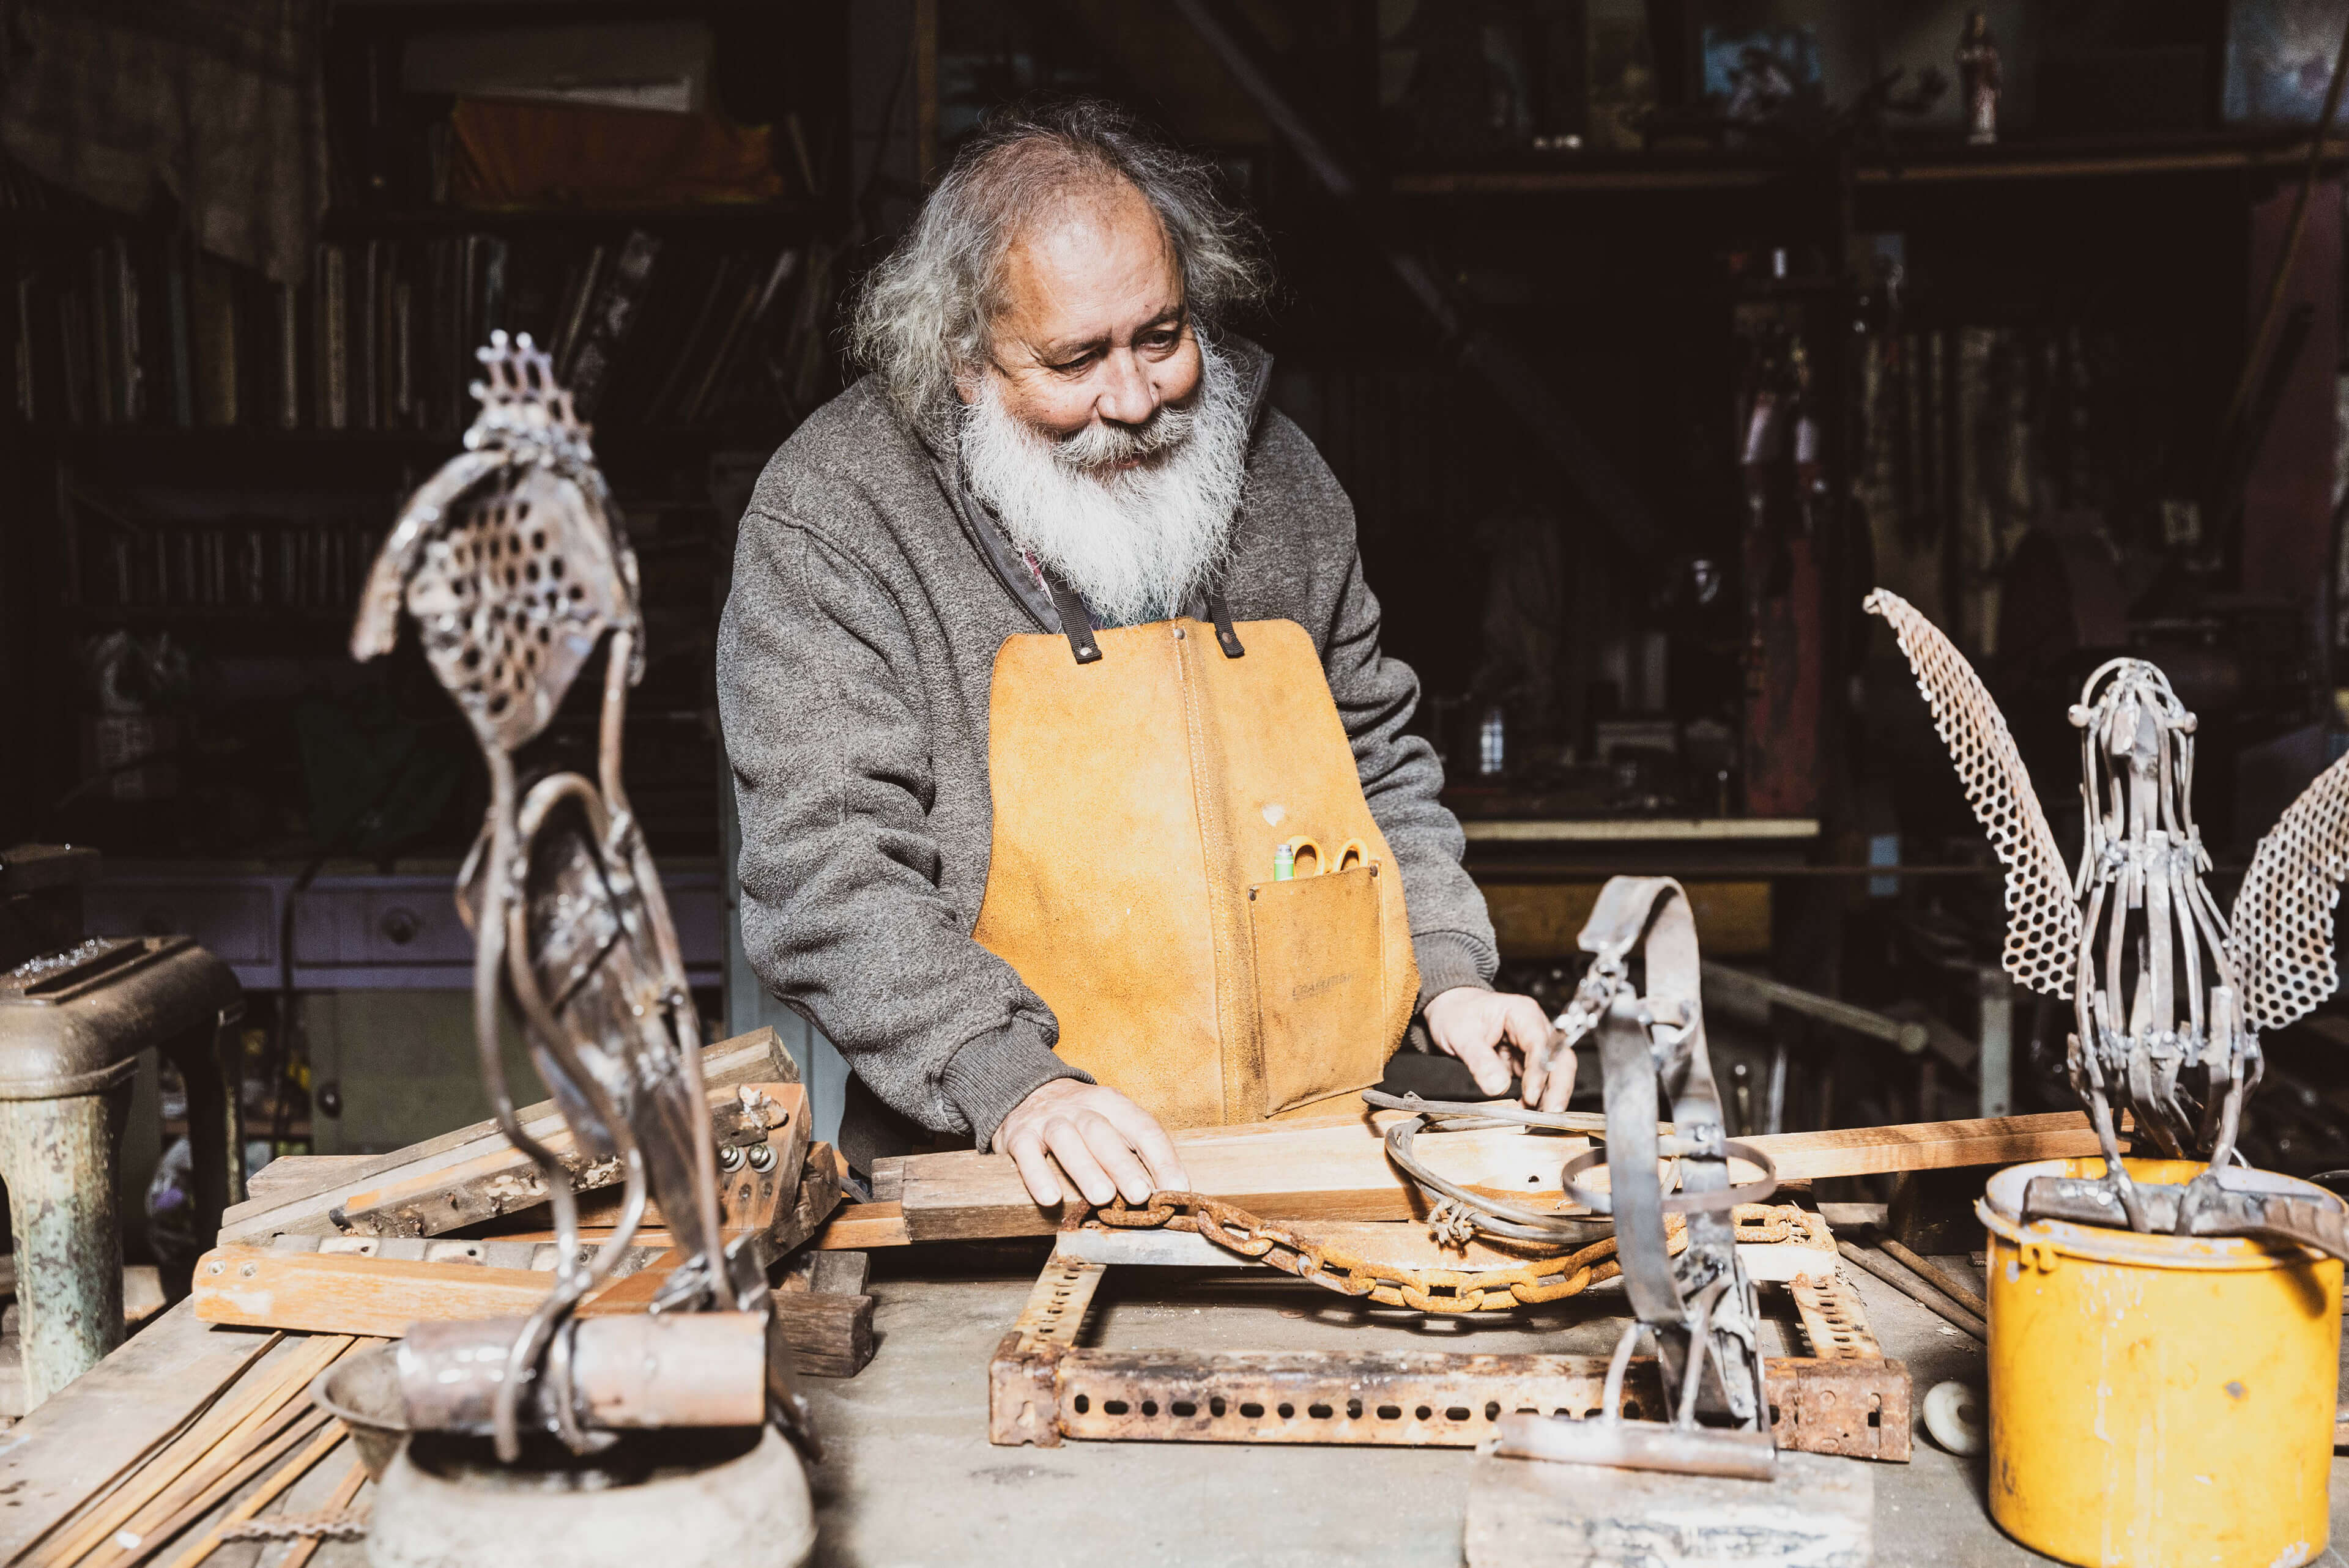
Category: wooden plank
[505,1181]
[119,1409]
[348,1293]
[831,1335]
[756,1057]
[210,1450]
[152,1539]
[1637,829]
[1927,1145]
[263,1495]
[857,1227]
[287,1177]
[1340,1171]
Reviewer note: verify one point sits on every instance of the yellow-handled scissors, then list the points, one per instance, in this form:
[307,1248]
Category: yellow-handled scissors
[1351,852]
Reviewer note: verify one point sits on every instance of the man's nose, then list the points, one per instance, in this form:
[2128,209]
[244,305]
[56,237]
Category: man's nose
[1127,395]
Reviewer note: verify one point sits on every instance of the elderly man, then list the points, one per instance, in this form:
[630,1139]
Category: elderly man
[1076,798]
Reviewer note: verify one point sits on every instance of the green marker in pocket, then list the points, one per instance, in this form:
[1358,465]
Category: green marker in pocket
[1284,863]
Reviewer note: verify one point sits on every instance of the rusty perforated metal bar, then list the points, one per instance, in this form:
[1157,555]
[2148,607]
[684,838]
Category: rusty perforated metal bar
[1056,1308]
[1845,1398]
[1834,1321]
[1047,1391]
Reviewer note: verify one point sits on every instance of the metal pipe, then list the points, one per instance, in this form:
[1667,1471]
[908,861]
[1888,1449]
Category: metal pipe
[1915,1289]
[1940,1278]
[1907,1036]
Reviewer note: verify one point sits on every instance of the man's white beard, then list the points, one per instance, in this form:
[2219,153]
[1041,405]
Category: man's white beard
[1137,543]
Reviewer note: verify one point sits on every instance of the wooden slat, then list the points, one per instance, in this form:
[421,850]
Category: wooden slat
[153,1539]
[856,1227]
[263,1495]
[1340,1171]
[210,1449]
[348,1293]
[127,1410]
[753,1058]
[1929,1145]
[505,1181]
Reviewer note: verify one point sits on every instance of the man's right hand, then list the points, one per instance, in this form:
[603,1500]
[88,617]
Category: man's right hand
[1107,1145]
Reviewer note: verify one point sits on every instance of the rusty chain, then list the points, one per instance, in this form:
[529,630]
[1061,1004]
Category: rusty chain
[1394,1284]
[343,1524]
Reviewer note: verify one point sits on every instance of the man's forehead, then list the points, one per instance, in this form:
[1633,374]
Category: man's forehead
[1098,263]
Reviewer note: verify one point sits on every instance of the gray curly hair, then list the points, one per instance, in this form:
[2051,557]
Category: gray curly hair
[925,313]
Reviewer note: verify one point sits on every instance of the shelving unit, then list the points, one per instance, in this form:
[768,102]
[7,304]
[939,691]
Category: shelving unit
[1928,163]
[196,427]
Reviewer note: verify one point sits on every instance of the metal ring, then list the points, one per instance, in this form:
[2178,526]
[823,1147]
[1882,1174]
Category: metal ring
[1501,1218]
[1753,1191]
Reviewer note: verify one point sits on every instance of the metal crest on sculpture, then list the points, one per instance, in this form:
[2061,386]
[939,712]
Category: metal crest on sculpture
[510,558]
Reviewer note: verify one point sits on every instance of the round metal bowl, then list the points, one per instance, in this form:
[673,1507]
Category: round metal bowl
[362,1392]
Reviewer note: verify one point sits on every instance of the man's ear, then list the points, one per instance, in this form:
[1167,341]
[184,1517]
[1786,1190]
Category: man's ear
[966,385]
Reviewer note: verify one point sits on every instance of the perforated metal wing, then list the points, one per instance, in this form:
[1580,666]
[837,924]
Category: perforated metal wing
[2042,918]
[2280,938]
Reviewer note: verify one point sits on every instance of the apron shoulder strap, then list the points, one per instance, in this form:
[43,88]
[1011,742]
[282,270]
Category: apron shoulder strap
[1076,621]
[1221,614]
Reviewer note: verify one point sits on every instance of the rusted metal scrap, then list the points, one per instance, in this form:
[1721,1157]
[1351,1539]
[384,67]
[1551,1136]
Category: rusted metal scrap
[1043,1392]
[1043,1387]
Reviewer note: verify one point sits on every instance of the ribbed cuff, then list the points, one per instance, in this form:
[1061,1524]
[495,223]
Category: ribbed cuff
[991,1074]
[1447,962]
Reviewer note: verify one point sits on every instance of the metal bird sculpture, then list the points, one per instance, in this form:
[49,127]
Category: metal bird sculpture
[512,562]
[2167,993]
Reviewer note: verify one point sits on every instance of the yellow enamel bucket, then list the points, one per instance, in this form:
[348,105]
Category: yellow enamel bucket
[2158,1401]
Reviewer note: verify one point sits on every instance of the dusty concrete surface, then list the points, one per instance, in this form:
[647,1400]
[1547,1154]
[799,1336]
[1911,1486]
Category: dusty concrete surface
[911,1478]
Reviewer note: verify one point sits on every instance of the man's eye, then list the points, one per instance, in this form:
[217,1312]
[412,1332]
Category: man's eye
[1070,367]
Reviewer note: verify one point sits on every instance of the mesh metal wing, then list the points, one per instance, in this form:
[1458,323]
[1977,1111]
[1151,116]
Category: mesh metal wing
[2282,940]
[2042,919]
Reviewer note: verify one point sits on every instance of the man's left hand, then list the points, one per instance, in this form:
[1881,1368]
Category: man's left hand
[1498,1037]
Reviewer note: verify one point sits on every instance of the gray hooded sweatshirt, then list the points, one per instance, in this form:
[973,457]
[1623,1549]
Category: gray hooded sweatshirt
[871,591]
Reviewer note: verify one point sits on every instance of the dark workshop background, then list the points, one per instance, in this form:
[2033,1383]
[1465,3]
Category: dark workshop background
[1645,338]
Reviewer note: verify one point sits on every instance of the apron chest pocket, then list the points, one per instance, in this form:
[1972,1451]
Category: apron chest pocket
[1320,984]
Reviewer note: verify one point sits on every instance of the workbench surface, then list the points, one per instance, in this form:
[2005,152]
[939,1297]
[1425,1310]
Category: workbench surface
[911,1478]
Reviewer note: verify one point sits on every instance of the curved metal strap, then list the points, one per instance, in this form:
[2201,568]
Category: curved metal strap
[1636,1193]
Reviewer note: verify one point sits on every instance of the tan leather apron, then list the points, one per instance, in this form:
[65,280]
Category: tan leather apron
[1144,778]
